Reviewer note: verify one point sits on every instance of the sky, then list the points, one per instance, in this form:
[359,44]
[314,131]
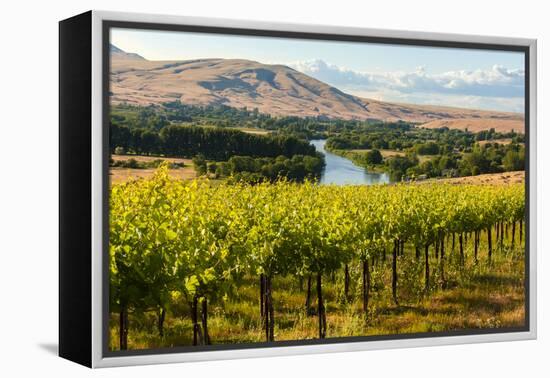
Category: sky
[481,79]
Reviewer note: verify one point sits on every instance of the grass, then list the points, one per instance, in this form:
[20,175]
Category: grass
[119,175]
[384,152]
[253,130]
[504,178]
[474,296]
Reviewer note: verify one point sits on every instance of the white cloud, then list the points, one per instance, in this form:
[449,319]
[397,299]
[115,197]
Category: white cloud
[497,88]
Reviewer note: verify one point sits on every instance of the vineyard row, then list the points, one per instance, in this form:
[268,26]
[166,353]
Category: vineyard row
[172,240]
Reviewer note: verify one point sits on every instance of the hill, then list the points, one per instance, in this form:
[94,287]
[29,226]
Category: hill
[118,54]
[274,89]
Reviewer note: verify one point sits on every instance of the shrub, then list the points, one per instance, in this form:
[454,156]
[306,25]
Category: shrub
[200,164]
[374,157]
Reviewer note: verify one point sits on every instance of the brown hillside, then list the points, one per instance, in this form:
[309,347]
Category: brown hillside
[273,89]
[478,124]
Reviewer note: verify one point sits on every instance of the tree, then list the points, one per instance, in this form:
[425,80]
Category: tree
[199,163]
[150,142]
[119,136]
[374,157]
[429,148]
[398,165]
[514,161]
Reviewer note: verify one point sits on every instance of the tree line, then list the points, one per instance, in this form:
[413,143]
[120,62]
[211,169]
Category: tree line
[401,136]
[255,170]
[213,142]
[478,159]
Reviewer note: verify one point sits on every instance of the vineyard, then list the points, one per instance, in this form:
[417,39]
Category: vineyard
[192,263]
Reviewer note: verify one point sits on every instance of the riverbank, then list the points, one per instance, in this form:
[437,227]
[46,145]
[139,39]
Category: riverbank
[358,158]
[340,170]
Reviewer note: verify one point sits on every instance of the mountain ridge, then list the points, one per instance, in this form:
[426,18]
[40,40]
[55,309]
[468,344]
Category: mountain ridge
[275,89]
[121,54]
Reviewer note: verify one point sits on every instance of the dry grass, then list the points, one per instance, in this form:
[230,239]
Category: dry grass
[385,153]
[142,158]
[503,141]
[476,296]
[251,130]
[393,153]
[505,178]
[118,175]
[478,124]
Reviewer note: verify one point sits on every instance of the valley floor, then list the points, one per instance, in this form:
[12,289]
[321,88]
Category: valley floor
[118,175]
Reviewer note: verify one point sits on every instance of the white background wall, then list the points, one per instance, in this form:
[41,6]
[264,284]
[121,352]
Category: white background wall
[28,190]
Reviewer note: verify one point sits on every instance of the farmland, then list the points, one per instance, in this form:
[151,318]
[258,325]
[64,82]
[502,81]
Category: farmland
[395,259]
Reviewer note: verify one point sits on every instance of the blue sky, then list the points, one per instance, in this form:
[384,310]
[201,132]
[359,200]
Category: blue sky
[424,75]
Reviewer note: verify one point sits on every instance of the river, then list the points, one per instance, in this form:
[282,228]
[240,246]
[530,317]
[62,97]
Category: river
[342,171]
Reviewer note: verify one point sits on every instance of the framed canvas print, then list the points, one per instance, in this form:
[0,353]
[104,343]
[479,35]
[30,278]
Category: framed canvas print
[234,189]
